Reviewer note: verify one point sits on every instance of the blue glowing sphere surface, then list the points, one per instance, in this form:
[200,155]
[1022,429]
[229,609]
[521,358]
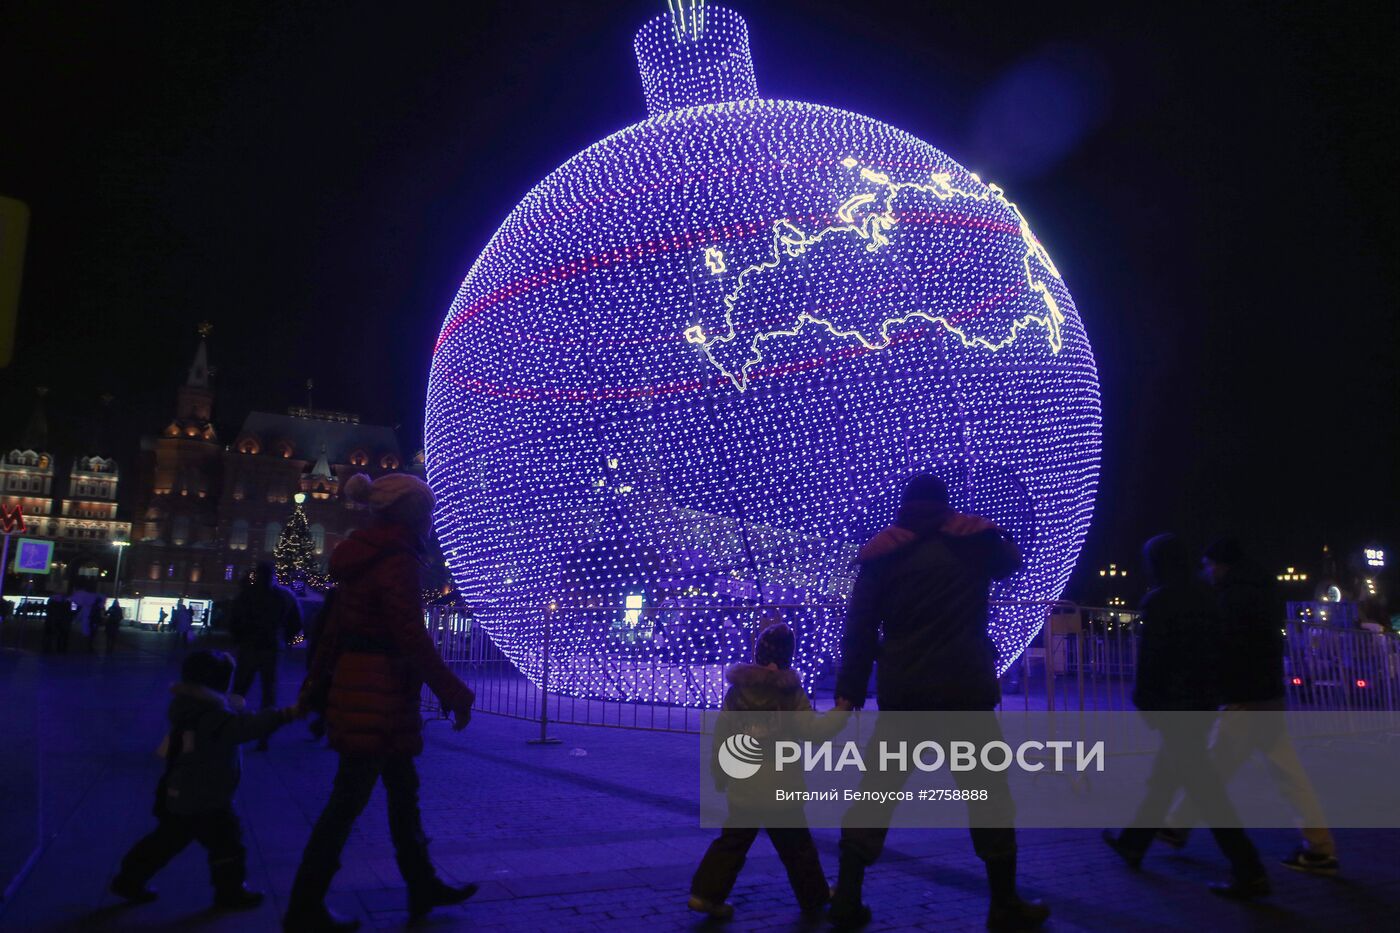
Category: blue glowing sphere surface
[694,366]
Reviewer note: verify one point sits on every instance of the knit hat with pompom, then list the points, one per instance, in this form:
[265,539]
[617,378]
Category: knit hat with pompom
[395,497]
[775,645]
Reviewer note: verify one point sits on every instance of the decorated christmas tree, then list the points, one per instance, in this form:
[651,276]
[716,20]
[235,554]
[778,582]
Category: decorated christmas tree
[295,554]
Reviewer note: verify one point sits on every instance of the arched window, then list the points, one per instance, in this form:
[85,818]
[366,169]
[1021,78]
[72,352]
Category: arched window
[389,462]
[318,538]
[359,458]
[249,445]
[270,536]
[238,535]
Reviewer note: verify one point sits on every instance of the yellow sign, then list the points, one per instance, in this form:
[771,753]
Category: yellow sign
[14,229]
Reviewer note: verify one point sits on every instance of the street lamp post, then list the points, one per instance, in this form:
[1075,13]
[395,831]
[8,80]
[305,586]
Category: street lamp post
[117,581]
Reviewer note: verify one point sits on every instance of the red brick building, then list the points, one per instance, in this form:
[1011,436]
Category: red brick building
[206,511]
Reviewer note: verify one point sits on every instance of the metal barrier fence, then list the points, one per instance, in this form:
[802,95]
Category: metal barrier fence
[664,670]
[1085,658]
[1336,668]
[656,669]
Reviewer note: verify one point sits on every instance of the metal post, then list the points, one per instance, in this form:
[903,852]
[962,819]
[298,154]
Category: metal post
[13,621]
[116,583]
[545,738]
[1049,663]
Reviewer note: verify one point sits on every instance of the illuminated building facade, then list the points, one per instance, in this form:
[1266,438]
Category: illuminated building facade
[79,514]
[207,512]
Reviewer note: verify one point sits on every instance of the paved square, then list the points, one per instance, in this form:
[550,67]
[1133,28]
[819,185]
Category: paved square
[598,832]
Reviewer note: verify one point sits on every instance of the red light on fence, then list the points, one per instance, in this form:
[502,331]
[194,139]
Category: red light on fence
[1297,681]
[1361,683]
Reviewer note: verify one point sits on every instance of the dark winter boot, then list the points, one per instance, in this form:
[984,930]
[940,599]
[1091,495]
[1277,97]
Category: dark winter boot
[436,893]
[1243,889]
[306,907]
[1131,856]
[1008,911]
[847,912]
[133,892]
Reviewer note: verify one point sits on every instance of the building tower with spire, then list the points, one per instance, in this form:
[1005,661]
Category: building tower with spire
[206,513]
[175,513]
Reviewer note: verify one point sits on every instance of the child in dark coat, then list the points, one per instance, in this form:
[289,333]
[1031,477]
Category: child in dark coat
[194,798]
[767,685]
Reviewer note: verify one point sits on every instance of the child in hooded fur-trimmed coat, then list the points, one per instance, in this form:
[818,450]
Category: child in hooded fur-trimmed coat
[194,798]
[769,684]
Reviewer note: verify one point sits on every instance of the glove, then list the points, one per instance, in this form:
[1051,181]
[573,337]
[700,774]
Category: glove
[462,713]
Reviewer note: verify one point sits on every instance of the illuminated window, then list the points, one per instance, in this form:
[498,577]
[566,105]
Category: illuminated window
[270,536]
[238,535]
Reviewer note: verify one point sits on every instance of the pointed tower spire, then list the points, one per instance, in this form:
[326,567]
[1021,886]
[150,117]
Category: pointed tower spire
[322,469]
[194,401]
[199,368]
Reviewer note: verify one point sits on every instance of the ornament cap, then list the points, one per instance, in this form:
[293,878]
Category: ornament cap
[693,56]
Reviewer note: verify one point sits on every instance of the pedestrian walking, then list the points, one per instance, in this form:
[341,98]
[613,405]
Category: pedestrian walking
[61,607]
[264,618]
[53,618]
[767,685]
[1252,718]
[920,605]
[1178,681]
[87,611]
[112,623]
[194,797]
[372,658]
[182,618]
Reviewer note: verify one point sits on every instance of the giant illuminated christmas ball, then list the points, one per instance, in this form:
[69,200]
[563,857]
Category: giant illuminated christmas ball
[690,373]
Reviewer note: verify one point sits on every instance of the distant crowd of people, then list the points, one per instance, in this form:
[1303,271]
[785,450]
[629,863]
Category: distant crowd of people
[920,608]
[91,615]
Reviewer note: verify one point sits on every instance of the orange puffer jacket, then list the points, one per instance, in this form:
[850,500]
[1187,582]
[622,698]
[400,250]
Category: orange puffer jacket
[375,651]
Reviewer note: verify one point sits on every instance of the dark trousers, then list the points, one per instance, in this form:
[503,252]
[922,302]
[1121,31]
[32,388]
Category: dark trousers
[218,831]
[354,782]
[720,867]
[56,635]
[262,663]
[1183,764]
[991,822]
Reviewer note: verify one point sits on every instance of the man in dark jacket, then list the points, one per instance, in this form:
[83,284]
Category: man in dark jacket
[194,800]
[920,608]
[58,623]
[264,617]
[1252,721]
[1178,685]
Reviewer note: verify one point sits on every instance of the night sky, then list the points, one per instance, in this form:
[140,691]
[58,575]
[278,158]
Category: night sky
[1217,185]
